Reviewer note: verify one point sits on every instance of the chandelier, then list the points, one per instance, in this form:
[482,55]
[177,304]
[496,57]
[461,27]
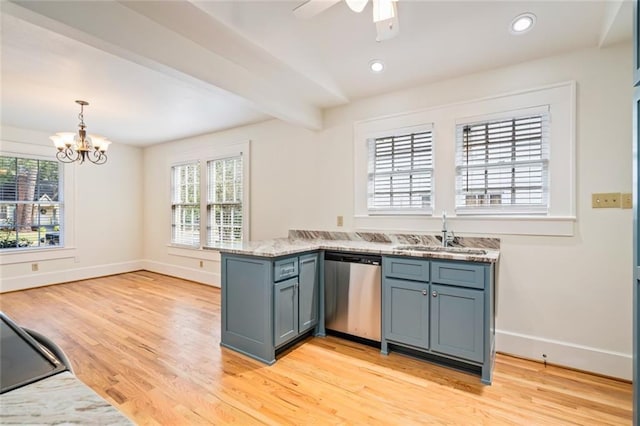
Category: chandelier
[79,147]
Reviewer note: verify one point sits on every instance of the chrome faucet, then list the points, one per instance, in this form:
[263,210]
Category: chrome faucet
[447,237]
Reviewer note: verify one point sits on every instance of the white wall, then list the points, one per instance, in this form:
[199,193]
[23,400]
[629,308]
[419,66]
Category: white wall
[283,179]
[566,297]
[105,208]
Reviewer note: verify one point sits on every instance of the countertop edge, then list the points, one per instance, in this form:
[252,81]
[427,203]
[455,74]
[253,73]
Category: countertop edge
[492,255]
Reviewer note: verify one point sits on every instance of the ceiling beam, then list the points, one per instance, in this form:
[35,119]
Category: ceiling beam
[311,8]
[122,30]
[616,23]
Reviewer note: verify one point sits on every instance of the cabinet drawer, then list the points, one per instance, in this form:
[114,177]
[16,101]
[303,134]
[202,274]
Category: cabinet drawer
[285,268]
[406,268]
[458,273]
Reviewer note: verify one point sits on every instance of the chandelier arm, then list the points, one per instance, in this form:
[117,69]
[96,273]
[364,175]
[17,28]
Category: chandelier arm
[64,157]
[98,157]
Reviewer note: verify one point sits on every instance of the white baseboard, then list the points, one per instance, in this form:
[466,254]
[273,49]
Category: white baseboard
[47,278]
[24,282]
[197,275]
[600,361]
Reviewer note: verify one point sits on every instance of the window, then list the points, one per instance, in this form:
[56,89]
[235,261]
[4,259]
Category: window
[185,204]
[30,203]
[214,190]
[533,194]
[400,173]
[224,201]
[502,166]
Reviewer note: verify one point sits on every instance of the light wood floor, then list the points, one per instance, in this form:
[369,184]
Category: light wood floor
[149,344]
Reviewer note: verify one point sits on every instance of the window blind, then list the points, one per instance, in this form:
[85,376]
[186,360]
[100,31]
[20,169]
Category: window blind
[400,173]
[224,200]
[30,203]
[502,165]
[185,204]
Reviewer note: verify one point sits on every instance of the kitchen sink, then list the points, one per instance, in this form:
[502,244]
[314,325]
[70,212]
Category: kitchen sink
[440,249]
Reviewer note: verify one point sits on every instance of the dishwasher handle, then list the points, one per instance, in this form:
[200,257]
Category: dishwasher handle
[353,258]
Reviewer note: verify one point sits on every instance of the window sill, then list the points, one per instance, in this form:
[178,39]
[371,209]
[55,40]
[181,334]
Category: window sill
[563,226]
[36,255]
[193,253]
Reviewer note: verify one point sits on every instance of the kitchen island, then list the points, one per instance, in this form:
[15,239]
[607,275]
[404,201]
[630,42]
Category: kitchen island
[38,387]
[273,294]
[59,399]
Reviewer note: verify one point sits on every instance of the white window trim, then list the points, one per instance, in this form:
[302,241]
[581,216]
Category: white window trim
[561,218]
[202,156]
[68,194]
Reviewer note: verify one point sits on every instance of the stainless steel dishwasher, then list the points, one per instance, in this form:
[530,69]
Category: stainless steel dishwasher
[352,286]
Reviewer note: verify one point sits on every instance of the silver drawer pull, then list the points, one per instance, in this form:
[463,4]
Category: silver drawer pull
[434,294]
[287,271]
[424,292]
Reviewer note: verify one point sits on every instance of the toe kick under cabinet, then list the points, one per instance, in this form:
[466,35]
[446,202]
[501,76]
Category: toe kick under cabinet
[441,309]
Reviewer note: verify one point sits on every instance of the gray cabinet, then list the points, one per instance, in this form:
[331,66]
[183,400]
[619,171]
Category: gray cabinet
[268,303]
[309,292]
[441,308]
[296,299]
[247,306]
[456,322]
[285,311]
[406,313]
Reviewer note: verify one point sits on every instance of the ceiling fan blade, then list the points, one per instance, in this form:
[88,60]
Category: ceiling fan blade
[356,5]
[311,8]
[385,17]
[384,10]
[387,29]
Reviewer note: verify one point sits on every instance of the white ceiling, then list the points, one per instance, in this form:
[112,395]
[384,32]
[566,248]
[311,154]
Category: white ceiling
[158,71]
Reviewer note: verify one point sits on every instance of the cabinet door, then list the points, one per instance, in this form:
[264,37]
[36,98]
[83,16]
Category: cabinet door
[308,292]
[406,312]
[457,322]
[285,311]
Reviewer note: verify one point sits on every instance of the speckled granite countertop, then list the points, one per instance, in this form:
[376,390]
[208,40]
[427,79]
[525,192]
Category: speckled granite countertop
[59,399]
[473,249]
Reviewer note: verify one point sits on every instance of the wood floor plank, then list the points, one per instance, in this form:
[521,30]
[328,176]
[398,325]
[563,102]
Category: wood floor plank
[149,344]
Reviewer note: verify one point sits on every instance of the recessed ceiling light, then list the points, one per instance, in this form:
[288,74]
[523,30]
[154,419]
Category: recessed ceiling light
[376,66]
[522,23]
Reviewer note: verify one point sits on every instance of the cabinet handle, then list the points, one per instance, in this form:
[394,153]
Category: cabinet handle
[424,292]
[434,294]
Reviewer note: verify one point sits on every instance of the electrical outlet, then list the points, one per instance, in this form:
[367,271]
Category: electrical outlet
[627,200]
[34,267]
[340,221]
[605,200]
[202,263]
